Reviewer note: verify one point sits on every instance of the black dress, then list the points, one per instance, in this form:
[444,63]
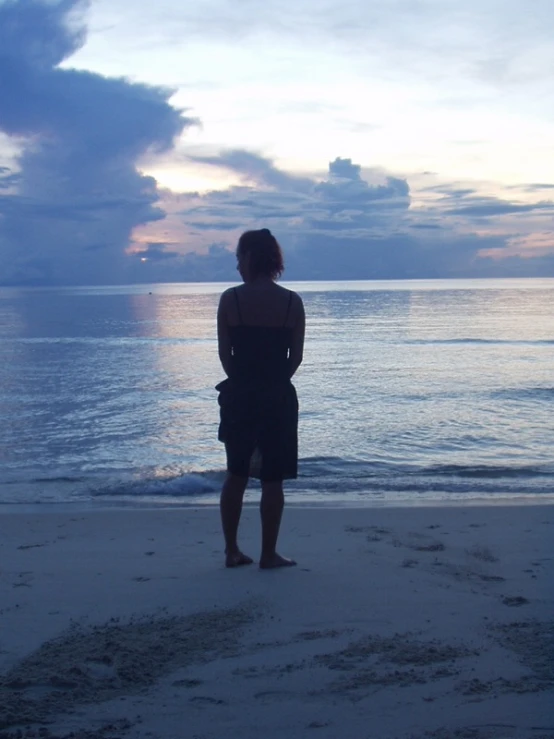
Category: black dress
[258,403]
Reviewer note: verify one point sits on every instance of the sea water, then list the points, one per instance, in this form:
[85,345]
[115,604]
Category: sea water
[410,391]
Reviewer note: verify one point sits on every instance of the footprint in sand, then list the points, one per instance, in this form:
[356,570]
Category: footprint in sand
[366,530]
[273,694]
[413,540]
[483,554]
[25,580]
[206,700]
[516,600]
[317,634]
[420,543]
[374,537]
[246,671]
[409,563]
[492,578]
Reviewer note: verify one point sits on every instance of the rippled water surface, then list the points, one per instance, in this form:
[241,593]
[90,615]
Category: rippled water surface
[409,390]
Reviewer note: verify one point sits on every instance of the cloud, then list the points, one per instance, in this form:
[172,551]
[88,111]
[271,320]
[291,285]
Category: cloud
[41,34]
[345,183]
[534,245]
[497,43]
[8,179]
[158,251]
[341,226]
[254,168]
[486,207]
[342,198]
[75,199]
[345,170]
[79,135]
[469,204]
[538,186]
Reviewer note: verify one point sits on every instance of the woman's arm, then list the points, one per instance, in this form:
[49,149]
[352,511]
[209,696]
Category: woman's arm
[297,345]
[223,334]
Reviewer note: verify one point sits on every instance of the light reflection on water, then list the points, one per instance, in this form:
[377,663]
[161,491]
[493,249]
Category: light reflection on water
[113,389]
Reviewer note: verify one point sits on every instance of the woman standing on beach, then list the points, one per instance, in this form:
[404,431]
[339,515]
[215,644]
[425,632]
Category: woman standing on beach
[261,339]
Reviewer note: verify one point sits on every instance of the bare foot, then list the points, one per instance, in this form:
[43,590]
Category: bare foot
[237,559]
[270,563]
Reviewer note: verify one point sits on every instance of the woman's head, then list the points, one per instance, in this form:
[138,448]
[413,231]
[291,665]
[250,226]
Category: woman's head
[259,255]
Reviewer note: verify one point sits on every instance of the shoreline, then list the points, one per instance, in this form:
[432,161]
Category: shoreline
[92,506]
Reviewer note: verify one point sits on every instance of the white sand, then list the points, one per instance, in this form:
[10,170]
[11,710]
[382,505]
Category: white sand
[398,623]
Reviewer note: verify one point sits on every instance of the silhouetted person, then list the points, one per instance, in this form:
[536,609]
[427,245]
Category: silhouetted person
[261,340]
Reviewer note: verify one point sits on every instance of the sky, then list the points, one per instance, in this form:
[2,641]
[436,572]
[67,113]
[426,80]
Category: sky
[391,139]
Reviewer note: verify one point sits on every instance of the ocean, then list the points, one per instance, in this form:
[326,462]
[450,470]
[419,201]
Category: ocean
[410,391]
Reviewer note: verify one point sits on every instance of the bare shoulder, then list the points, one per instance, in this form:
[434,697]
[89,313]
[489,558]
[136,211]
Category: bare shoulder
[296,297]
[224,302]
[226,295]
[297,304]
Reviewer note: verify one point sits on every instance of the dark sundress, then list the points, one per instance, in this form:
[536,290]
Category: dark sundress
[258,403]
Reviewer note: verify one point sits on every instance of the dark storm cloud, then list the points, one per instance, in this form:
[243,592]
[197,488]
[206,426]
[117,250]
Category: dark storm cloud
[217,265]
[334,257]
[459,201]
[345,183]
[486,207]
[259,169]
[343,227]
[82,135]
[43,34]
[158,252]
[343,199]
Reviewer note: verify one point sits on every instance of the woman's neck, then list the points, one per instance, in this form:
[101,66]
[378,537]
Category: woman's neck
[259,281]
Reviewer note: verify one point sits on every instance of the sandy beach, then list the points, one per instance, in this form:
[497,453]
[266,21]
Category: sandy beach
[398,623]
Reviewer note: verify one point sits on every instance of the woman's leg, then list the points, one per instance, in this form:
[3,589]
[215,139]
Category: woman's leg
[271,510]
[230,506]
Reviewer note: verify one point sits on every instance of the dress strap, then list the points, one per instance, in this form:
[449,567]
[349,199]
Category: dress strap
[288,309]
[238,305]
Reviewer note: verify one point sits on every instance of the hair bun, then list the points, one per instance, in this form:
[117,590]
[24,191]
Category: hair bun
[265,256]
